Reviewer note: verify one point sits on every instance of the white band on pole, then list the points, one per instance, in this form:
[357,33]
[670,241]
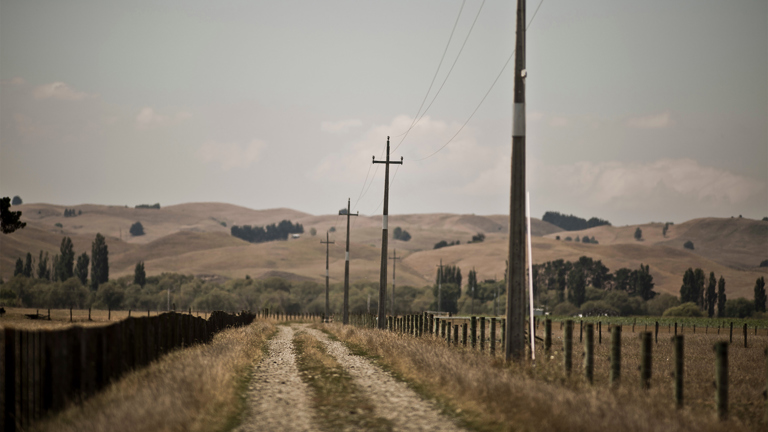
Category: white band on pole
[530,276]
[518,120]
[326,272]
[384,222]
[346,256]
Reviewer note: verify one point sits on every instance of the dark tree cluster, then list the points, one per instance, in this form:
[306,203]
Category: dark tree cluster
[478,238]
[137,229]
[72,212]
[707,294]
[10,219]
[688,245]
[443,243]
[571,222]
[272,232]
[63,266]
[448,283]
[401,234]
[155,206]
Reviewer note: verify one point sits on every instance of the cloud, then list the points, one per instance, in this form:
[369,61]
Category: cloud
[656,121]
[342,126]
[631,185]
[147,117]
[18,81]
[231,155]
[58,90]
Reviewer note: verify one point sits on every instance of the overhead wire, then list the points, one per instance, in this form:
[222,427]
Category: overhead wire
[486,93]
[446,76]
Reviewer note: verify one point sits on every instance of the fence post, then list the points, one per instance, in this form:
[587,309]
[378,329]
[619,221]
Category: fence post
[9,377]
[581,331]
[456,334]
[615,356]
[448,338]
[473,332]
[745,335]
[600,332]
[464,334]
[675,328]
[70,315]
[646,357]
[493,335]
[442,328]
[547,334]
[568,346]
[731,337]
[721,377]
[589,358]
[482,334]
[679,363]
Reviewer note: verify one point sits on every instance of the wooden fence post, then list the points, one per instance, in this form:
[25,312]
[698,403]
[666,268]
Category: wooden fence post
[482,334]
[493,336]
[456,334]
[657,332]
[547,334]
[568,346]
[589,348]
[721,379]
[448,338]
[581,331]
[600,332]
[9,378]
[464,334]
[731,337]
[745,335]
[473,332]
[679,363]
[646,357]
[615,356]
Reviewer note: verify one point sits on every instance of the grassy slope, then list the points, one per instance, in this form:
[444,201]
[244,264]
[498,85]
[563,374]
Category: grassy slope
[190,238]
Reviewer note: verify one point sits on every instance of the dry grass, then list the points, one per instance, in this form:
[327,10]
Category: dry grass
[490,396]
[340,404]
[201,388]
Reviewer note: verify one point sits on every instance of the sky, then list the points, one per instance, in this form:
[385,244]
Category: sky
[636,111]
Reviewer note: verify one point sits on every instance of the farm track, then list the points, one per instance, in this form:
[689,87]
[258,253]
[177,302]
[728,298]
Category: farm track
[279,400]
[392,399]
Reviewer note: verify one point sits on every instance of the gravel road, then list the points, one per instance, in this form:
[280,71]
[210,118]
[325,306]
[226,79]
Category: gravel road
[278,398]
[392,399]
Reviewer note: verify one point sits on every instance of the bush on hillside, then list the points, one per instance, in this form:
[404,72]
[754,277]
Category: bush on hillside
[764,263]
[565,309]
[137,229]
[685,310]
[739,308]
[688,245]
[657,305]
[147,206]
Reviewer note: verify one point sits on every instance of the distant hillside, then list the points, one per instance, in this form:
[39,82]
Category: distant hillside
[195,239]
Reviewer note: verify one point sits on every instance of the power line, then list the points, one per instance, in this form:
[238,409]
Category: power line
[446,77]
[486,93]
[436,71]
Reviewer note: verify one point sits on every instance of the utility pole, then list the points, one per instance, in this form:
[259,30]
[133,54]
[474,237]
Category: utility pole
[382,324]
[326,243]
[345,314]
[515,331]
[394,283]
[440,286]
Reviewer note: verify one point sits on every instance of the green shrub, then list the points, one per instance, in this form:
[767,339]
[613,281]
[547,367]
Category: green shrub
[657,305]
[739,308]
[598,308]
[565,309]
[689,309]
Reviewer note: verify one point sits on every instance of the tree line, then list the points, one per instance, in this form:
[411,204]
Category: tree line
[571,222]
[272,232]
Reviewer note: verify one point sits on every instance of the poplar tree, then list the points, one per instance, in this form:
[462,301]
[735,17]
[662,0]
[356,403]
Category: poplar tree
[711,294]
[100,262]
[28,265]
[139,275]
[81,271]
[66,260]
[19,267]
[721,298]
[760,294]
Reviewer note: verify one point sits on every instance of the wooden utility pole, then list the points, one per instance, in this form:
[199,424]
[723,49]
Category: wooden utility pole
[326,243]
[382,315]
[394,283]
[515,334]
[440,286]
[345,313]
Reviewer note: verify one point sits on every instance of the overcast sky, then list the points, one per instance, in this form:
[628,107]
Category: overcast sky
[637,111]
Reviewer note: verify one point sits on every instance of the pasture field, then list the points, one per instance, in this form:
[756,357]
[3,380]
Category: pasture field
[488,394]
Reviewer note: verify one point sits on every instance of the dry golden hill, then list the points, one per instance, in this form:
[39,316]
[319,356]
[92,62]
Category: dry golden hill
[195,239]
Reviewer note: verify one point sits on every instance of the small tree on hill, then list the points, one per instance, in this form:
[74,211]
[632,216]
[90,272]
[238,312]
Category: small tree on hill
[16,200]
[688,245]
[137,229]
[312,232]
[139,275]
[760,296]
[638,234]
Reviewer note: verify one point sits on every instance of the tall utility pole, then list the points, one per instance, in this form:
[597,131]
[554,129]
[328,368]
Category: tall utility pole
[382,324]
[515,331]
[345,314]
[326,243]
[440,286]
[394,280]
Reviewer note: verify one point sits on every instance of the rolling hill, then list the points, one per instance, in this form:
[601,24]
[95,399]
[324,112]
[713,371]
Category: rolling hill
[194,239]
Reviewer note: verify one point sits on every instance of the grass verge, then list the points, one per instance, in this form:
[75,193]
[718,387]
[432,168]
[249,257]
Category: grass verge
[488,396]
[340,404]
[201,388]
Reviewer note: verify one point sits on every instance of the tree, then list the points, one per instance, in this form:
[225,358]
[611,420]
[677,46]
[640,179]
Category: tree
[478,238]
[81,271]
[711,295]
[100,262]
[576,287]
[19,267]
[9,220]
[688,245]
[313,231]
[401,234]
[664,230]
[638,234]
[16,200]
[687,290]
[43,272]
[472,288]
[721,297]
[137,229]
[760,294]
[28,266]
[644,283]
[66,262]
[139,275]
